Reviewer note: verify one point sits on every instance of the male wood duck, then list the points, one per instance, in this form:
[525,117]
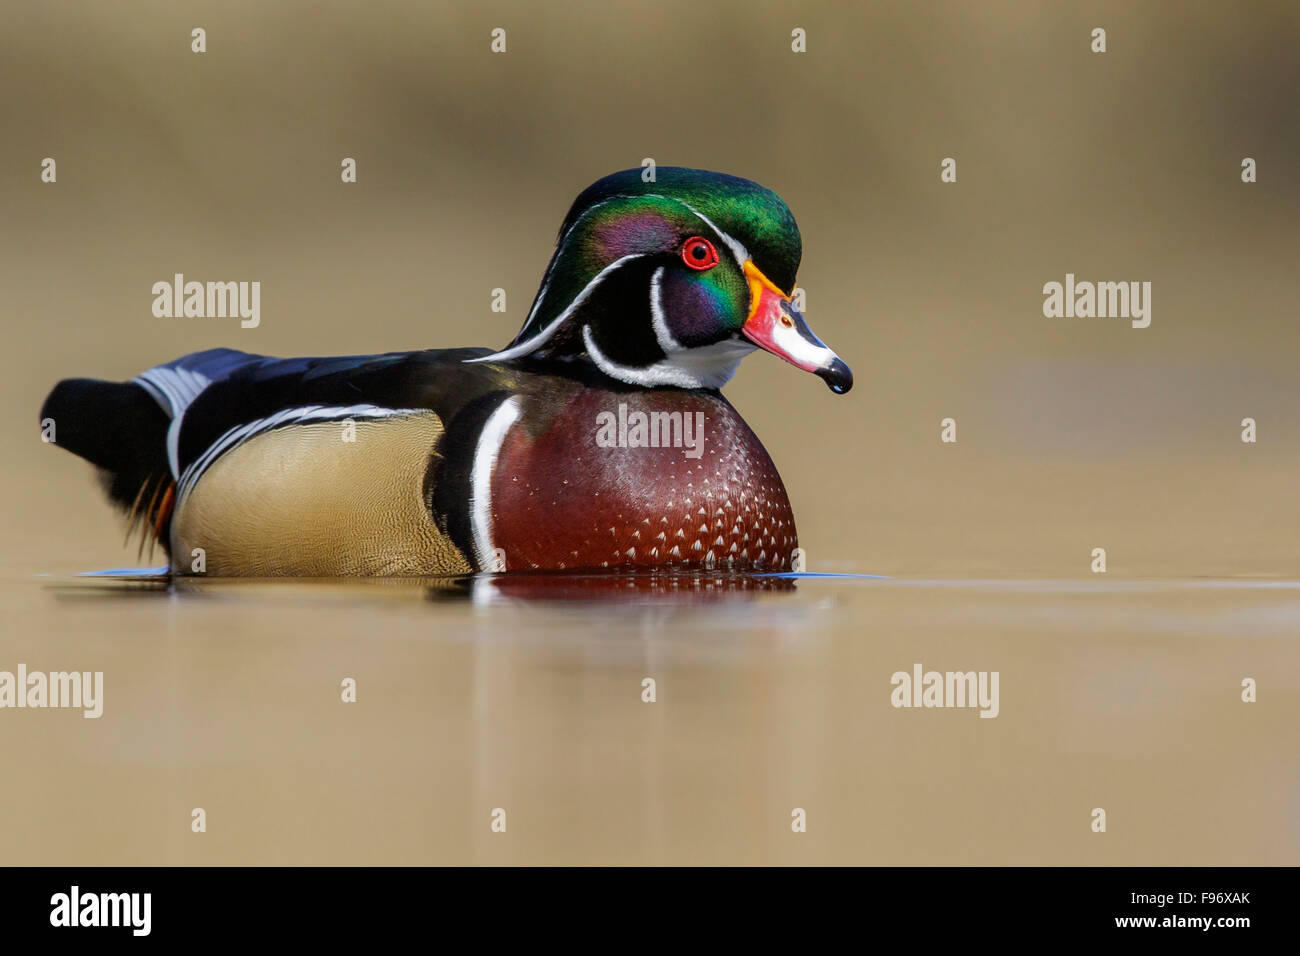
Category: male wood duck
[578,446]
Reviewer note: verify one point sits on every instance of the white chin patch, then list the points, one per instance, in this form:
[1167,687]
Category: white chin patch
[709,366]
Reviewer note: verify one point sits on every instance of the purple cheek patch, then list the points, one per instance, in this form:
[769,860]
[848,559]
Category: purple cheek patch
[695,309]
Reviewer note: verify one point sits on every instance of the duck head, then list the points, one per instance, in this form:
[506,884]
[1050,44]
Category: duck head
[673,282]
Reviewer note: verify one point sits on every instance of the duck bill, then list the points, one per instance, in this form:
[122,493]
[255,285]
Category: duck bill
[776,326]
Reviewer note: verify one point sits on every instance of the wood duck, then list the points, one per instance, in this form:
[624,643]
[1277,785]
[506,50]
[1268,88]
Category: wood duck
[598,439]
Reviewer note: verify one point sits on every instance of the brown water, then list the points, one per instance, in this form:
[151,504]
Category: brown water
[527,696]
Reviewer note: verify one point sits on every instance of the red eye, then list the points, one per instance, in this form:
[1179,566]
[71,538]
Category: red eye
[699,254]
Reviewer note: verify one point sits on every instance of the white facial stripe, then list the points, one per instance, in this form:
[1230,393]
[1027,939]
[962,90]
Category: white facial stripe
[540,339]
[737,248]
[713,365]
[541,296]
[559,246]
[657,318]
[485,461]
[709,366]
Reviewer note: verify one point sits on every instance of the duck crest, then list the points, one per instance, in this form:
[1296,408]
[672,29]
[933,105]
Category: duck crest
[653,283]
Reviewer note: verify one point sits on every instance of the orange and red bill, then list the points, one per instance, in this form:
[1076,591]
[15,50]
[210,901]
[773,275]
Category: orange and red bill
[776,326]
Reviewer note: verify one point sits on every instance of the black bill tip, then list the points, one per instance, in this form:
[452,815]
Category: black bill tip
[838,377]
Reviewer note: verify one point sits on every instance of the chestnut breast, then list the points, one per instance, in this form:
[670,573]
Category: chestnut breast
[591,479]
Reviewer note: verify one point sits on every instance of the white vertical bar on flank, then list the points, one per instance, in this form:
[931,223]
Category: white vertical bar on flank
[485,460]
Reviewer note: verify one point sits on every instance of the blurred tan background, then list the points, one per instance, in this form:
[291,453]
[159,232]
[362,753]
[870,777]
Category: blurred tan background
[1073,433]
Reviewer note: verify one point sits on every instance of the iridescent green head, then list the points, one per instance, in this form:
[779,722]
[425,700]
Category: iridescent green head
[673,282]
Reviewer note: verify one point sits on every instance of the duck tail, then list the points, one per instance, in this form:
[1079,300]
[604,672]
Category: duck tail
[122,430]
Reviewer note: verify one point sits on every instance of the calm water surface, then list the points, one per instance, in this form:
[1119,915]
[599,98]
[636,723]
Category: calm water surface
[526,694]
